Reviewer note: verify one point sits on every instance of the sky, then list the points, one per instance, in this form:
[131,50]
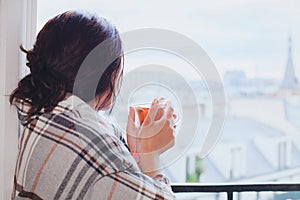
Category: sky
[248,35]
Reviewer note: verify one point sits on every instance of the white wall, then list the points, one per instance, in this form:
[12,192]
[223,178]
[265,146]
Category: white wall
[12,32]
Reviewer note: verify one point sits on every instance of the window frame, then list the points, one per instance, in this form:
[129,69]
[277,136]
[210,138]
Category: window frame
[17,26]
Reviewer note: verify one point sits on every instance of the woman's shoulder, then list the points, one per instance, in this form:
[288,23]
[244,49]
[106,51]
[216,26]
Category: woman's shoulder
[98,138]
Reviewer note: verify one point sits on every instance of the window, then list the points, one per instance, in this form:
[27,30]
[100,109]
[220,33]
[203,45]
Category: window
[255,47]
[11,32]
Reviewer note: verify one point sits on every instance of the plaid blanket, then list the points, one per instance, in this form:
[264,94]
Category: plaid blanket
[73,152]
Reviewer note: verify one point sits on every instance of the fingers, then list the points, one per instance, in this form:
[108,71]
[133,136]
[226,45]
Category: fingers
[171,116]
[159,114]
[131,115]
[160,118]
[168,110]
[168,139]
[160,108]
[152,112]
[131,127]
[156,134]
[160,142]
[163,115]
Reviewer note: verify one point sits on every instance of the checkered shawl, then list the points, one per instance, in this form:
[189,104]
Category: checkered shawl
[74,153]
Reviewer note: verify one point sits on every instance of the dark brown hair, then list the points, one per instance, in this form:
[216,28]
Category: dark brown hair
[57,56]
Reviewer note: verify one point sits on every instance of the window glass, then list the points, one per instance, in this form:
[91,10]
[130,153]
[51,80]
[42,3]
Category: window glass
[255,46]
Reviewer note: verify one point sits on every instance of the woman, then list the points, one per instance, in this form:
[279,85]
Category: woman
[67,150]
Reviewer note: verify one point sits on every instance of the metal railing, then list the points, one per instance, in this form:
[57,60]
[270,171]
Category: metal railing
[231,188]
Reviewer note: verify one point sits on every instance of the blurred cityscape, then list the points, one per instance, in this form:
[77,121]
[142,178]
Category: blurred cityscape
[260,140]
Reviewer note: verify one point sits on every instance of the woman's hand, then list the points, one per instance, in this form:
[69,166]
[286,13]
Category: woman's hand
[153,137]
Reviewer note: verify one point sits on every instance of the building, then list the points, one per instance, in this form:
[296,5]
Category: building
[289,81]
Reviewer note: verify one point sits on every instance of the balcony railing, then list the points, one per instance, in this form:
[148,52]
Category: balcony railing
[230,189]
